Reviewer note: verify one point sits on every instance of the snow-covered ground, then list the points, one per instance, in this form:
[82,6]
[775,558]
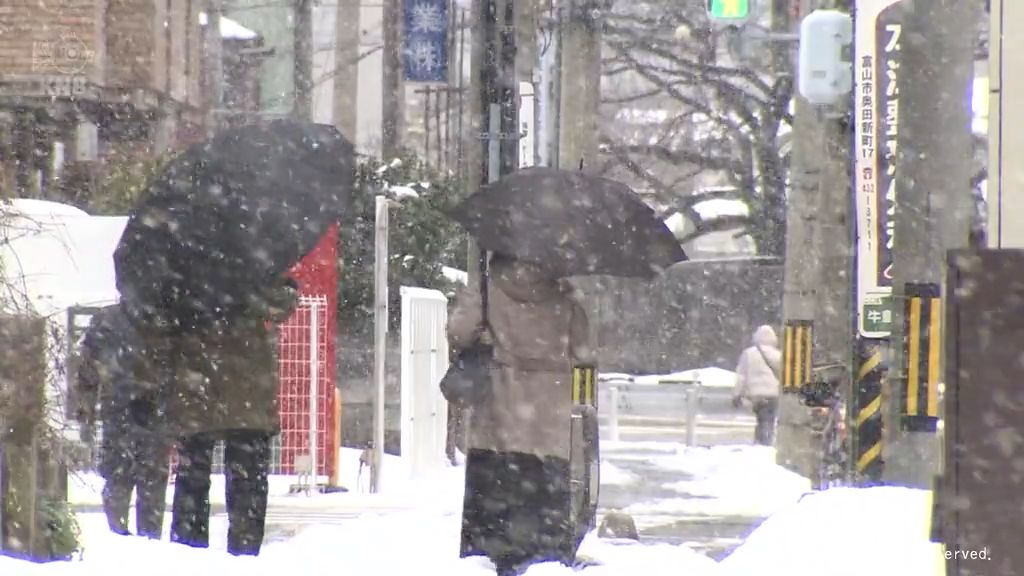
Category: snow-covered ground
[413,528]
[398,493]
[843,532]
[741,481]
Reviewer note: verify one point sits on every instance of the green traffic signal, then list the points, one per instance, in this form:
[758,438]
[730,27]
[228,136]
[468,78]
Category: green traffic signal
[729,9]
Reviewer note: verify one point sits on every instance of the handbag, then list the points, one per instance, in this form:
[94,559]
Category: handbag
[468,381]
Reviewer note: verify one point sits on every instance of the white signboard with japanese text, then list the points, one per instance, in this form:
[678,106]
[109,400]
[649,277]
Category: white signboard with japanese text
[878,29]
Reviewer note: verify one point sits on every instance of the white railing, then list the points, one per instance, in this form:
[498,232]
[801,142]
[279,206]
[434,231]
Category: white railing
[424,361]
[613,389]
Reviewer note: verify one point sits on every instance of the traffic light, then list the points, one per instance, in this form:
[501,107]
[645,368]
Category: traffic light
[729,10]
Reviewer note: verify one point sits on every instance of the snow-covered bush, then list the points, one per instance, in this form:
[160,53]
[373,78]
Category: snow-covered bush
[422,238]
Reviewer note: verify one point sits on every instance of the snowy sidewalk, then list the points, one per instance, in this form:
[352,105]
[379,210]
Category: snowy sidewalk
[289,514]
[706,498]
[811,537]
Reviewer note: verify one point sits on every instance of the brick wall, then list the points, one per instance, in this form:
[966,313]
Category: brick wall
[62,37]
[132,44]
[116,43]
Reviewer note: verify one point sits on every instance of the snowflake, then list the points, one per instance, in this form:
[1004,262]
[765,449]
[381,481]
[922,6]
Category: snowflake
[423,56]
[428,18]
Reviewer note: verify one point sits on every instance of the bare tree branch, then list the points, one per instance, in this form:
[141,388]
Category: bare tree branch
[678,157]
[717,224]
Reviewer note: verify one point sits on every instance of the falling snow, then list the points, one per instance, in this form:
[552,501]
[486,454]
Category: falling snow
[428,18]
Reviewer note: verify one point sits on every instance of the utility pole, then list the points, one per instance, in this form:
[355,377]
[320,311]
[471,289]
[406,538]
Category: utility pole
[346,68]
[495,151]
[817,205]
[1005,140]
[380,334]
[393,95]
[302,105]
[933,212]
[214,45]
[579,102]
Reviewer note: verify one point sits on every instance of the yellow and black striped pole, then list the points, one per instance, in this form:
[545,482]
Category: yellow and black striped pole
[921,357]
[867,413]
[584,386]
[796,354]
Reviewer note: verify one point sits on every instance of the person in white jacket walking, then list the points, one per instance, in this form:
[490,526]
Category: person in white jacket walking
[757,380]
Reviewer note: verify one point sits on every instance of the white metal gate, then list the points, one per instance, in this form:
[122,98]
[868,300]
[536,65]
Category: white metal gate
[424,362]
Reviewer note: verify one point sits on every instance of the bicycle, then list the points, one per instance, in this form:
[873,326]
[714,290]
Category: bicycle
[824,395]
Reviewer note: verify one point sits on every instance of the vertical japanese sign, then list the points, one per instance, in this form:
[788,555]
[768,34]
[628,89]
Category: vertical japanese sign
[878,28]
[425,43]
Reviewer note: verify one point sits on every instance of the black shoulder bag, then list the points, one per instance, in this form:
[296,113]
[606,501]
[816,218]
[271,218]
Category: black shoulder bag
[467,382]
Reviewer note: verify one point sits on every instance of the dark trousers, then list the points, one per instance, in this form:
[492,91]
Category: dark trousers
[766,410]
[135,460]
[246,463]
[516,510]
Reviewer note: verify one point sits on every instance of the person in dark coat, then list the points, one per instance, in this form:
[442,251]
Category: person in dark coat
[225,389]
[118,372]
[516,507]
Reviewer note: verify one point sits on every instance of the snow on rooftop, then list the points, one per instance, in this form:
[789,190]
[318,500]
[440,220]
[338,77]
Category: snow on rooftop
[233,30]
[718,207]
[230,29]
[455,275]
[55,256]
[33,207]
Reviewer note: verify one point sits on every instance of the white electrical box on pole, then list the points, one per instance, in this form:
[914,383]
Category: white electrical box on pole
[825,75]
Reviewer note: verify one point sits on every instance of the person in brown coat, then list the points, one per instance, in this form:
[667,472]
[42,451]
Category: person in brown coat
[226,389]
[517,468]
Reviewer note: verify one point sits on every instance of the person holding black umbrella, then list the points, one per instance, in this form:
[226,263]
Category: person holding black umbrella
[518,460]
[523,360]
[226,389]
[202,261]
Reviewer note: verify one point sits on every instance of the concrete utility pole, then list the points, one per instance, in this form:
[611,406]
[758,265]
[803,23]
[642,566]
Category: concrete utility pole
[494,150]
[302,104]
[346,68]
[214,44]
[934,204]
[1006,140]
[816,285]
[393,95]
[380,334]
[579,102]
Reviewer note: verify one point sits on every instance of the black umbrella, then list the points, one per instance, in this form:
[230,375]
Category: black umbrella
[570,223]
[228,215]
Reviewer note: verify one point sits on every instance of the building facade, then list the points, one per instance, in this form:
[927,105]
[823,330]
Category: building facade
[84,83]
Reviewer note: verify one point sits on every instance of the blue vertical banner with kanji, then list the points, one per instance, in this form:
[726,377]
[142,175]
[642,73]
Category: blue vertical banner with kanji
[425,43]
